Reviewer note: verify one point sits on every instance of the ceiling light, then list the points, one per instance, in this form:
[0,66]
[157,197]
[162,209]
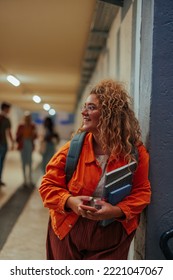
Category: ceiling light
[36,99]
[11,79]
[46,107]
[52,112]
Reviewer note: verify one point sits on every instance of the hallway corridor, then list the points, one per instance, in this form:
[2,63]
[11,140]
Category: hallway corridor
[26,240]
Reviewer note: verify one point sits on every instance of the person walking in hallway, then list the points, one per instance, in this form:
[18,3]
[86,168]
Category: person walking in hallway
[25,136]
[5,134]
[49,142]
[75,231]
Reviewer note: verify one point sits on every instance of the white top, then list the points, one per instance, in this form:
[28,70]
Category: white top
[102,160]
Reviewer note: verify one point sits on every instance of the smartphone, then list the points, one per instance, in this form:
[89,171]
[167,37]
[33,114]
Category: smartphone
[92,202]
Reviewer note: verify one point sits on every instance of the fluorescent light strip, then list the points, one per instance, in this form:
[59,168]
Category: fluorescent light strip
[11,79]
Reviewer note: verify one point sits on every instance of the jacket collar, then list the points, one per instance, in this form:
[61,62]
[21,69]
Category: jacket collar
[89,150]
[90,156]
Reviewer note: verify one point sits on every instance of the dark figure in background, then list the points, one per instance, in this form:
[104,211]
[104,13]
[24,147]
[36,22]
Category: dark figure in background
[25,136]
[74,230]
[5,133]
[50,140]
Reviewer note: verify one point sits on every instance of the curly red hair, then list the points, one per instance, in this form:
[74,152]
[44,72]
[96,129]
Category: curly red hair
[118,127]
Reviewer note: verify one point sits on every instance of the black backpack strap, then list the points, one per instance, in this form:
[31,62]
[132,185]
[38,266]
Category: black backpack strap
[73,154]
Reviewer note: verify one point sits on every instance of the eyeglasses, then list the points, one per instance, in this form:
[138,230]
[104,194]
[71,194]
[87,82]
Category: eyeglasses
[89,107]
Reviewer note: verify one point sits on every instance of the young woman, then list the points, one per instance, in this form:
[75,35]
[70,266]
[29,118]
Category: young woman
[74,230]
[51,139]
[25,136]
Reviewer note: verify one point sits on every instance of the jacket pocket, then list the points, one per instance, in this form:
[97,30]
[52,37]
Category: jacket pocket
[75,188]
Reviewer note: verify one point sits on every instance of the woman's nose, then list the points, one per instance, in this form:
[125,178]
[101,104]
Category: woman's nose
[84,111]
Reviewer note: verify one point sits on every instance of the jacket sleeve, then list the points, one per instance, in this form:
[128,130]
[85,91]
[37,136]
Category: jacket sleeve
[140,195]
[53,189]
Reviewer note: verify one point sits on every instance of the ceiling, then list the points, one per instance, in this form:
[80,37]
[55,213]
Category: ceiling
[44,44]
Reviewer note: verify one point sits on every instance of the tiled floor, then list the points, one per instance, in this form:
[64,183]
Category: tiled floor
[27,238]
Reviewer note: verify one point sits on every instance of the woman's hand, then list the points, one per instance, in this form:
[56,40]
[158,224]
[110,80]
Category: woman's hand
[106,211]
[74,202]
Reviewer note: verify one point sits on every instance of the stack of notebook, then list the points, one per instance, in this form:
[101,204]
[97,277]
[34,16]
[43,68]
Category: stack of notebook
[118,184]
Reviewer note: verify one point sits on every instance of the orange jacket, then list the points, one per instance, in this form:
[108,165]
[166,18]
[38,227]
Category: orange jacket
[55,192]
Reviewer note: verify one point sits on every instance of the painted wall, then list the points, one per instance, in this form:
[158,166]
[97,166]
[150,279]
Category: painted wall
[142,63]
[115,59]
[160,211]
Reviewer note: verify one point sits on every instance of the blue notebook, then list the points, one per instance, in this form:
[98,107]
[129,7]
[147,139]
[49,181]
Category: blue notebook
[115,197]
[117,184]
[118,194]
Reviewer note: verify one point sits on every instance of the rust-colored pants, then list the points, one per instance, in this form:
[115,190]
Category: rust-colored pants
[87,240]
